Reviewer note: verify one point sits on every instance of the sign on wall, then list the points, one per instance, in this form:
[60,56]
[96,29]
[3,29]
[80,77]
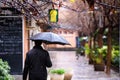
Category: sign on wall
[53,15]
[11,47]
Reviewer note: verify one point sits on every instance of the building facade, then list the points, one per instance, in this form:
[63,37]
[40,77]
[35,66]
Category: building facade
[69,35]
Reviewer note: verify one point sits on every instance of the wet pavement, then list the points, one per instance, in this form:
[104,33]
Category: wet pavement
[80,68]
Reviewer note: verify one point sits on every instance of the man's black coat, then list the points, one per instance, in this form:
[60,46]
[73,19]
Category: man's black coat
[36,62]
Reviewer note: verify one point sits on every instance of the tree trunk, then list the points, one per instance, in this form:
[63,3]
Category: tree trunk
[100,40]
[109,52]
[90,54]
[100,45]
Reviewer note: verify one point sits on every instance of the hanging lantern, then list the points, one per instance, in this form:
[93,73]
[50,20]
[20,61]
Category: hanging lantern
[72,0]
[53,15]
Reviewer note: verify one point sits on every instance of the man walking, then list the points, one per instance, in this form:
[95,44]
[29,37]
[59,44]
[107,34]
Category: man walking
[37,59]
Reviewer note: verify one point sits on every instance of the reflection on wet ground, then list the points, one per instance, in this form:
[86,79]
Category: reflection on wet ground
[81,69]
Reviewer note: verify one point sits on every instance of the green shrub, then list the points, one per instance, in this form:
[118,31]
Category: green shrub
[115,56]
[57,71]
[99,54]
[103,51]
[87,49]
[80,50]
[4,71]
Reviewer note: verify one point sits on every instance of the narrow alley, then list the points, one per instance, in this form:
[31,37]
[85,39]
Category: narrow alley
[80,67]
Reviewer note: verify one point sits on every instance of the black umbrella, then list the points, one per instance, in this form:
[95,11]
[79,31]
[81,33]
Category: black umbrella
[49,38]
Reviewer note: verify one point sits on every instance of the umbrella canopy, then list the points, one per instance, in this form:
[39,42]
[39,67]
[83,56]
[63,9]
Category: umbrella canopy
[49,38]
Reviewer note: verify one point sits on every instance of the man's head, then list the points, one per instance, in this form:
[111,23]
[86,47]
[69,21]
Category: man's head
[38,43]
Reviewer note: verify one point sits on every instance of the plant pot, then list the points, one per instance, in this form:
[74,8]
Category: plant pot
[68,75]
[48,77]
[57,77]
[99,67]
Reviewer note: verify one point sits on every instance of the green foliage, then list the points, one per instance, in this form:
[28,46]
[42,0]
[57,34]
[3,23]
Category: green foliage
[95,56]
[4,71]
[115,56]
[80,50]
[98,60]
[97,52]
[115,36]
[57,71]
[103,51]
[87,49]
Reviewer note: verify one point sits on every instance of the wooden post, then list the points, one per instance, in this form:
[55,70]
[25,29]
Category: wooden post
[109,40]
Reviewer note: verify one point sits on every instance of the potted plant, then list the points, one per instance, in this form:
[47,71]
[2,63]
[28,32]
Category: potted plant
[4,71]
[57,74]
[115,58]
[98,59]
[89,52]
[98,65]
[68,74]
